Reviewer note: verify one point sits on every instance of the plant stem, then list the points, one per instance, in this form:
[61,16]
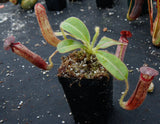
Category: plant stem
[95,36]
[130,6]
[63,33]
[150,10]
[121,102]
[50,60]
[155,30]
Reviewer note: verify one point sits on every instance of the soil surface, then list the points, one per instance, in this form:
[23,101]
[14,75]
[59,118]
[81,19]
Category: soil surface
[80,64]
[30,95]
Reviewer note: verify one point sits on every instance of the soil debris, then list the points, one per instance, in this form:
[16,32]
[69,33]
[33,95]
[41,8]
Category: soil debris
[104,29]
[1,82]
[81,64]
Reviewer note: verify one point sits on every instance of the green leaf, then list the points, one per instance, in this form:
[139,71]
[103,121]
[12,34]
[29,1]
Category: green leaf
[106,42]
[114,65]
[77,28]
[68,45]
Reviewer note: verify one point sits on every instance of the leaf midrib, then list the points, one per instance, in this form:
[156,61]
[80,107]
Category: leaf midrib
[77,30]
[112,65]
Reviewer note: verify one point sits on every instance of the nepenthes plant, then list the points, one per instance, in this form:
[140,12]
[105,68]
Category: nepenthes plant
[79,38]
[154,25]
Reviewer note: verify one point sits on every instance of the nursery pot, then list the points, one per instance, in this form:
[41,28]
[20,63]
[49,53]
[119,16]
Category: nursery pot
[74,0]
[19,1]
[56,5]
[90,100]
[4,1]
[105,3]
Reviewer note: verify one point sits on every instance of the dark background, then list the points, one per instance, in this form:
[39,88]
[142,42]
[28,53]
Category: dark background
[41,94]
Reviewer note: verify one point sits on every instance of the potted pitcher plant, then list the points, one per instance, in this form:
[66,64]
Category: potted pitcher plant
[86,74]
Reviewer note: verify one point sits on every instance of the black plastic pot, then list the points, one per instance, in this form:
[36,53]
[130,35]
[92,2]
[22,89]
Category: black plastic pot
[74,0]
[105,3]
[19,1]
[3,1]
[90,100]
[56,5]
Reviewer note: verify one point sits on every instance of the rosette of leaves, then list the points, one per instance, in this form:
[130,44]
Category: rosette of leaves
[80,38]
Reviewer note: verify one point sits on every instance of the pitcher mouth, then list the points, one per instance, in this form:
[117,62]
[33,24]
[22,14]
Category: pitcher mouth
[148,71]
[126,34]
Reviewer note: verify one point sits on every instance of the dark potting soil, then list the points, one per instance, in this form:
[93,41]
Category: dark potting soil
[80,64]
